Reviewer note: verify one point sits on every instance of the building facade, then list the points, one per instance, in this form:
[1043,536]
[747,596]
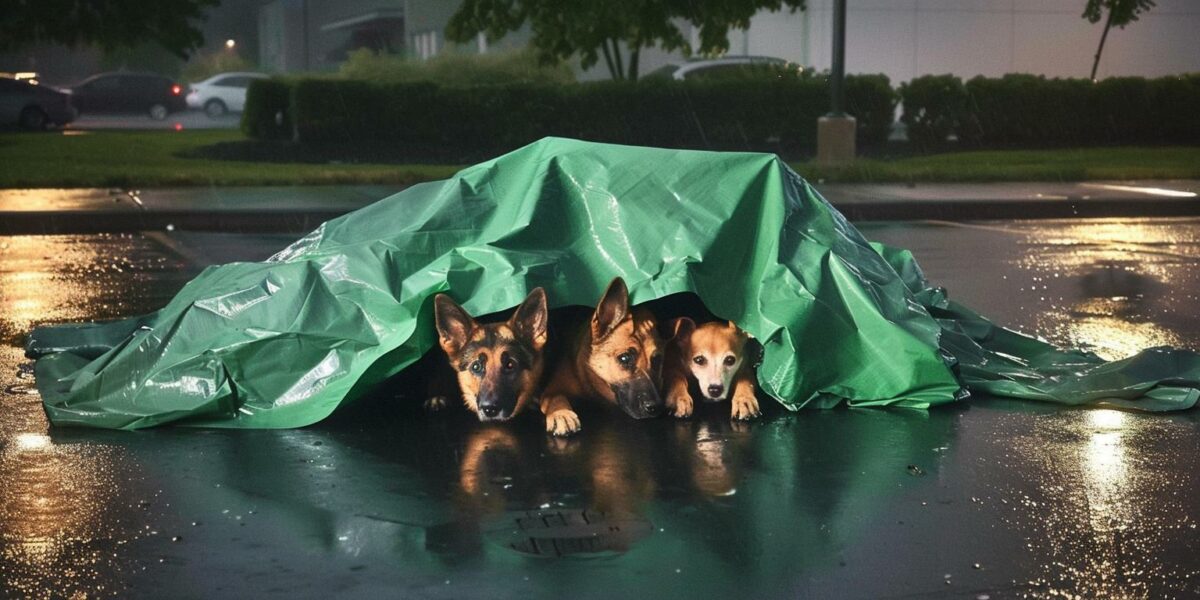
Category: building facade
[900,38]
[908,38]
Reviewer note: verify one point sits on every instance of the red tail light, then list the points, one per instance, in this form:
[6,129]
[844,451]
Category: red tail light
[176,90]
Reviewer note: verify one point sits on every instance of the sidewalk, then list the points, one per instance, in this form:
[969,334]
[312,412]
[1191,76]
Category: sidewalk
[301,208]
[231,209]
[1033,200]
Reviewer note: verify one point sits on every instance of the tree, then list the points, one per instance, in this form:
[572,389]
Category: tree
[1120,13]
[595,28]
[109,24]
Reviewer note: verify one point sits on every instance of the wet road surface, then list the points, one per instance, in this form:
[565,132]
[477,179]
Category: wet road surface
[990,499]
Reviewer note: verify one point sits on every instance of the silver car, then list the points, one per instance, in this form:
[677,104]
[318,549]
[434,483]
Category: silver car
[709,68]
[221,93]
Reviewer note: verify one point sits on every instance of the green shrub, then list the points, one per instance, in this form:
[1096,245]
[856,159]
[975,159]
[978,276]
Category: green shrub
[935,106]
[872,101]
[772,114]
[455,69]
[268,111]
[1178,98]
[1123,109]
[1024,110]
[1035,111]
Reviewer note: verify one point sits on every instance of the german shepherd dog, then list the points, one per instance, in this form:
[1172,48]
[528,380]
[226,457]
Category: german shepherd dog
[616,355]
[498,366]
[717,357]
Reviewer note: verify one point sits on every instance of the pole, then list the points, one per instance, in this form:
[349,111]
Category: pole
[838,76]
[304,28]
[836,131]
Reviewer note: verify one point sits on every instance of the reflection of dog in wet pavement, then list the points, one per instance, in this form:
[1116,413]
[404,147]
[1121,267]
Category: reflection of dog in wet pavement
[616,355]
[717,357]
[607,470]
[595,486]
[715,451]
[498,366]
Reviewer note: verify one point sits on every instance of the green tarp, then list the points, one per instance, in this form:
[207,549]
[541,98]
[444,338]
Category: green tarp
[282,343]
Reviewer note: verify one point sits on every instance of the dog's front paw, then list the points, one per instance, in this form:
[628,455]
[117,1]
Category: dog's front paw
[681,404]
[435,404]
[562,422]
[745,408]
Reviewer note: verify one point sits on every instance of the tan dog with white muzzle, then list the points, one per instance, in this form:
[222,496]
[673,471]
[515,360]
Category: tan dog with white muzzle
[716,356]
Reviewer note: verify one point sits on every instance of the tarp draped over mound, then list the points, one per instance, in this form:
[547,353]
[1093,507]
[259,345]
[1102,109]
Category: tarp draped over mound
[283,342]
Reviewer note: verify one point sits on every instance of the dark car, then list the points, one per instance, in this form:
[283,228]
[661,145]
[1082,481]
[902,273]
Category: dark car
[32,106]
[144,93]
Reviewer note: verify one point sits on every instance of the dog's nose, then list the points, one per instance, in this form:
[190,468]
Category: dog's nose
[652,408]
[490,410]
[715,390]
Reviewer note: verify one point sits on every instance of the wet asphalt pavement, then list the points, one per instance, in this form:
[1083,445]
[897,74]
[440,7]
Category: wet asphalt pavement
[989,499]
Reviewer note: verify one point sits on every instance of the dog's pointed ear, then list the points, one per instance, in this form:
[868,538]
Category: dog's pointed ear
[738,330]
[454,325]
[531,317]
[612,309]
[680,330]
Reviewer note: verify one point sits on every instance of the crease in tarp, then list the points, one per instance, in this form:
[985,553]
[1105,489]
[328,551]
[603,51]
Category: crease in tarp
[284,342]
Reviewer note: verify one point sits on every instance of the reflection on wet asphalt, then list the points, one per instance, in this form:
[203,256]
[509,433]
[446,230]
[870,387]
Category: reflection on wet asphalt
[1113,286]
[993,499]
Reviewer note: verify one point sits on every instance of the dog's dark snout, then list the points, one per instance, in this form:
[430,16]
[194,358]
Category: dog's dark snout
[489,410]
[715,390]
[652,408]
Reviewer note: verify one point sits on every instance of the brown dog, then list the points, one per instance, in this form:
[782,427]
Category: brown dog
[616,355]
[499,365]
[716,357]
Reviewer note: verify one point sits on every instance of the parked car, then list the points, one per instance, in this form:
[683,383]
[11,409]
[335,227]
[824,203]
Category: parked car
[221,93]
[33,106]
[726,66]
[145,93]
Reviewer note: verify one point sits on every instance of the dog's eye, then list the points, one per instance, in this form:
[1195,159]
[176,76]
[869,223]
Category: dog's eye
[729,360]
[627,357]
[477,367]
[509,364]
[700,360]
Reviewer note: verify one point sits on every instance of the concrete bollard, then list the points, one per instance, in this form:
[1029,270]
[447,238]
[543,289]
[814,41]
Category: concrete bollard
[835,140]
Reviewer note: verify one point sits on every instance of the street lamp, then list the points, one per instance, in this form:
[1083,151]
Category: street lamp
[229,44]
[836,130]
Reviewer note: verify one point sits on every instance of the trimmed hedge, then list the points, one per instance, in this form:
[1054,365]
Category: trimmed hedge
[769,114]
[764,114]
[1030,110]
[935,106]
[872,101]
[268,110]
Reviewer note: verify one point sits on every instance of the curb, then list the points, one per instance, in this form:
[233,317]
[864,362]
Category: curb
[285,221]
[60,223]
[977,210]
